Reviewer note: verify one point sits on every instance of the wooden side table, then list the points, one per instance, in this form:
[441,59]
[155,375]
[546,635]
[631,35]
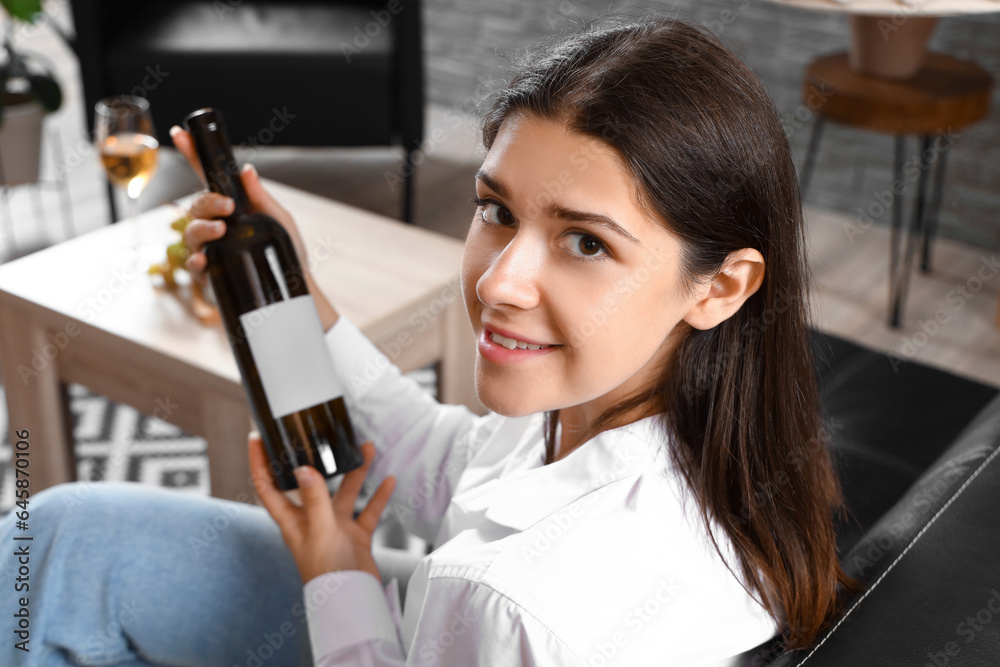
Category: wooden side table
[75,312]
[946,95]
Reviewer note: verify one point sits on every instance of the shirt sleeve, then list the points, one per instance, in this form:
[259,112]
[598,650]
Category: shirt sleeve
[352,621]
[352,624]
[425,444]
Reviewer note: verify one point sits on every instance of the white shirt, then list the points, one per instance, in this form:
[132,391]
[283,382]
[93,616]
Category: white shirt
[599,558]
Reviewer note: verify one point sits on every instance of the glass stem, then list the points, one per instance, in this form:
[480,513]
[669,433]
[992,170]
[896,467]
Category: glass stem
[133,216]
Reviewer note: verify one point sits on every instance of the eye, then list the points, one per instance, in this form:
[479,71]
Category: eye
[494,213]
[589,246]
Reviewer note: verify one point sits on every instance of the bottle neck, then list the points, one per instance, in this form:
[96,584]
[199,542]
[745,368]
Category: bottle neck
[222,171]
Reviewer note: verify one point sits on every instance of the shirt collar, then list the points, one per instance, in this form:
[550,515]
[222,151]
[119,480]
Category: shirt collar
[527,491]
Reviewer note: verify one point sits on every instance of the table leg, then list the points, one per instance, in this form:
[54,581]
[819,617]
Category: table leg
[36,399]
[896,236]
[227,423]
[456,372]
[930,228]
[902,264]
[810,161]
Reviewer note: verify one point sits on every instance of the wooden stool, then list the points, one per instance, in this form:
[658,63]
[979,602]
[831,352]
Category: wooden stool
[945,96]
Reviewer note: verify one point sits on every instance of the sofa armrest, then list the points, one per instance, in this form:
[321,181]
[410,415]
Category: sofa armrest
[930,566]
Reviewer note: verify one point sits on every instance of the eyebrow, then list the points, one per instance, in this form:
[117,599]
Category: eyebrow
[562,212]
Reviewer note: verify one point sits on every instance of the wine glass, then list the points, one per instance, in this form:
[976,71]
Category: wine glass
[126,140]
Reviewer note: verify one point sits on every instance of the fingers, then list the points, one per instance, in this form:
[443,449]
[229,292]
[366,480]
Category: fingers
[260,199]
[372,514]
[277,505]
[315,497]
[211,205]
[185,145]
[347,494]
[196,235]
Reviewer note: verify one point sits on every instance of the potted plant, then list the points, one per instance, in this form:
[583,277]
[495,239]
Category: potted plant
[29,91]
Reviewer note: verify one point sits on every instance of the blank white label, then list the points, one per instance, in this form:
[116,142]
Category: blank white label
[295,367]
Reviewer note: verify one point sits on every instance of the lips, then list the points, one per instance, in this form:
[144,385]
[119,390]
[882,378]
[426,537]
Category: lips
[506,333]
[503,355]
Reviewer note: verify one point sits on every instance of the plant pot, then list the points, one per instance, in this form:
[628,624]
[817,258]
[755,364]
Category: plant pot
[20,140]
[889,47]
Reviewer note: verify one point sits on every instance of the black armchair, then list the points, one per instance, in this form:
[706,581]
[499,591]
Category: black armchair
[344,73]
[916,448]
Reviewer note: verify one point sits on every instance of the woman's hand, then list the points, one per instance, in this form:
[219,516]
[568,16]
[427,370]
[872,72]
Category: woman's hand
[323,535]
[208,207]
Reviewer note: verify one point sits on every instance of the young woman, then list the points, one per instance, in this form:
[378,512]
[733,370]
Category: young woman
[651,485]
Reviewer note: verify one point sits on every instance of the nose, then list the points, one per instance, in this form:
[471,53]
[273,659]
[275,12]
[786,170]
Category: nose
[513,277]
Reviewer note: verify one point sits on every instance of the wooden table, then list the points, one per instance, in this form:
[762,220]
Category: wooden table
[75,312]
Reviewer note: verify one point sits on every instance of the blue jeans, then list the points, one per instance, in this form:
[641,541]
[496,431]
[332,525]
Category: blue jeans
[130,574]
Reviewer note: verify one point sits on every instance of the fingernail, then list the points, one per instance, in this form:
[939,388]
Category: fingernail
[303,476]
[250,169]
[174,130]
[254,434]
[218,227]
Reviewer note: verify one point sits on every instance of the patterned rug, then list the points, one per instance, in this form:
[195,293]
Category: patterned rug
[115,442]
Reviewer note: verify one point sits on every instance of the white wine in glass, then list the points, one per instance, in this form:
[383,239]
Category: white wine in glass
[124,134]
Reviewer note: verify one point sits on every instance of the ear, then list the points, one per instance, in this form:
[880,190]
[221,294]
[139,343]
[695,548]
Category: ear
[740,276]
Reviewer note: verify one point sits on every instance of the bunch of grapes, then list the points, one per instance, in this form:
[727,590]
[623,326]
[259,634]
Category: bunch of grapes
[177,254]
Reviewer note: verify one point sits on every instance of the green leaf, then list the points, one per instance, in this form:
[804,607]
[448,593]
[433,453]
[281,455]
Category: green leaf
[46,91]
[26,10]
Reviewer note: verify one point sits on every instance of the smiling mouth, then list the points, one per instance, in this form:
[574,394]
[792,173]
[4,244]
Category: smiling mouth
[511,343]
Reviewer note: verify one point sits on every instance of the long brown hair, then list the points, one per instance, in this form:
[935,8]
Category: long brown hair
[705,147]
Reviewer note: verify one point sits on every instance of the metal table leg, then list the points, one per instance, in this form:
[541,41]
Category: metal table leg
[901,262]
[930,228]
[810,161]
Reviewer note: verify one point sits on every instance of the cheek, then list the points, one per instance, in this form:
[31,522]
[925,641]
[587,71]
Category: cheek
[474,265]
[626,323]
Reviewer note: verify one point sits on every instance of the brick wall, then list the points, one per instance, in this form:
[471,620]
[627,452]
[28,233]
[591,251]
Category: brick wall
[466,41]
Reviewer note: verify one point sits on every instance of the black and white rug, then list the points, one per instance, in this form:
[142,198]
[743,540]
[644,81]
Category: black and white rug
[115,442]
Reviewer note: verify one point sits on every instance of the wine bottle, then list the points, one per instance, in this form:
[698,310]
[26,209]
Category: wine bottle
[273,325]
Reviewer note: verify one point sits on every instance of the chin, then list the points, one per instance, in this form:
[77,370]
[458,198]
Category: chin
[500,402]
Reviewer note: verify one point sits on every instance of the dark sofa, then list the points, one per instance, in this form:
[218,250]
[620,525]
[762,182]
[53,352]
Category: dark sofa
[917,450]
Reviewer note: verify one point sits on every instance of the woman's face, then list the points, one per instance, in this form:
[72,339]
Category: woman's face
[559,253]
